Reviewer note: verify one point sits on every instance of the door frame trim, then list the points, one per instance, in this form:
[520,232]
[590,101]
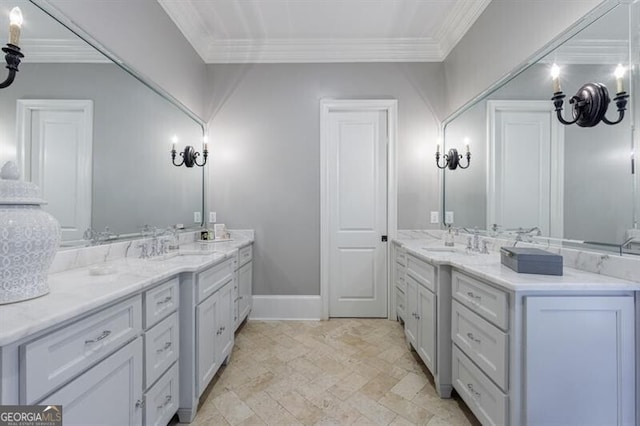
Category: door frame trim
[556,194]
[390,107]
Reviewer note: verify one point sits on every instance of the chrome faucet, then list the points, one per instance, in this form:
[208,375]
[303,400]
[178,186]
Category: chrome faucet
[627,243]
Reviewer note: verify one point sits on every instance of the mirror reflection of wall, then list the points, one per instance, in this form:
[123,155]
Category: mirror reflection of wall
[132,179]
[591,187]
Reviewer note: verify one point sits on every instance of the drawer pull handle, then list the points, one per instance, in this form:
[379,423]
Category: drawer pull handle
[476,394]
[104,335]
[166,346]
[472,337]
[473,296]
[166,300]
[140,403]
[166,402]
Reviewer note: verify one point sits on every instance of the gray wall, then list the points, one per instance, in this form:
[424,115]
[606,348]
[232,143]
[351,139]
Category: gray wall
[265,137]
[507,33]
[134,182]
[141,34]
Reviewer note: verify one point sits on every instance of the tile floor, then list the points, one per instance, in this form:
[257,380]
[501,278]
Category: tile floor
[337,372]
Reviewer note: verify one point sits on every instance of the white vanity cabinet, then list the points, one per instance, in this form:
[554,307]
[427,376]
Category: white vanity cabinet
[243,300]
[427,314]
[543,357]
[206,329]
[92,365]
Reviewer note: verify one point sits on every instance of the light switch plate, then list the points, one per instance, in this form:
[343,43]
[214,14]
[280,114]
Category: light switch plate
[435,217]
[448,217]
[212,217]
[197,217]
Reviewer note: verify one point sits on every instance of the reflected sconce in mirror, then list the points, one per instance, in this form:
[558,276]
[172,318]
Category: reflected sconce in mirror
[452,159]
[590,103]
[12,51]
[189,155]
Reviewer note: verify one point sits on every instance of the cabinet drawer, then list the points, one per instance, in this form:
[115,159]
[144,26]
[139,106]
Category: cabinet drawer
[214,278]
[52,360]
[488,302]
[484,398]
[245,255]
[161,346]
[482,342]
[161,401]
[160,302]
[401,258]
[401,283]
[401,303]
[422,272]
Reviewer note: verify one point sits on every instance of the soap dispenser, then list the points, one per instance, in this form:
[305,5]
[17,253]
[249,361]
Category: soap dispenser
[449,237]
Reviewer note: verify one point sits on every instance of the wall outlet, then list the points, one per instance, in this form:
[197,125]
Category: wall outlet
[197,217]
[212,217]
[435,217]
[448,217]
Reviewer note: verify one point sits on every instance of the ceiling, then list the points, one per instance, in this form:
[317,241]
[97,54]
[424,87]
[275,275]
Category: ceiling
[273,31]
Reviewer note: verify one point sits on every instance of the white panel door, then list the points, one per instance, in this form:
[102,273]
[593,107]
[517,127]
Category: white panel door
[55,145]
[525,163]
[357,213]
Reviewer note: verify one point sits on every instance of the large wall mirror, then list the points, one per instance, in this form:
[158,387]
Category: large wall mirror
[530,171]
[94,136]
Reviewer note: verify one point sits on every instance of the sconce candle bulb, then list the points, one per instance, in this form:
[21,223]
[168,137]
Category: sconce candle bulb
[15,23]
[555,75]
[466,145]
[619,73]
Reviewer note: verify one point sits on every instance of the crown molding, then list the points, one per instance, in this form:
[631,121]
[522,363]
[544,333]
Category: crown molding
[426,49]
[324,50]
[458,22]
[60,51]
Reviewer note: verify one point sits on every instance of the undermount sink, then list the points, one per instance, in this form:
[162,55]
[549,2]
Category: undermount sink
[98,270]
[440,249]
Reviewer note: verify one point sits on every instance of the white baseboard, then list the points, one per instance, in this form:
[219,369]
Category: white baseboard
[286,308]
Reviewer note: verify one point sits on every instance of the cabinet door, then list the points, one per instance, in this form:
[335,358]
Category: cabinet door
[206,342]
[109,393]
[411,321]
[224,322]
[245,278]
[579,365]
[427,327]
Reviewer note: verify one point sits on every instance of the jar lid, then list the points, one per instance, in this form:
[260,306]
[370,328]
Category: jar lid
[14,191]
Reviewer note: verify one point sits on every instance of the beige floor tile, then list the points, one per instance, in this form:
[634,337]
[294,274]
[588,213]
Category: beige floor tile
[405,408]
[378,386]
[369,408]
[270,411]
[348,386]
[337,372]
[410,385]
[301,408]
[232,408]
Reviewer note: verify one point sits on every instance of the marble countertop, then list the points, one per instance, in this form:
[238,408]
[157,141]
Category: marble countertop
[489,268]
[76,292]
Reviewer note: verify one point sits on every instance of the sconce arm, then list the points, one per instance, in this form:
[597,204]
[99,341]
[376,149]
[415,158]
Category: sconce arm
[558,102]
[621,103]
[468,157]
[12,58]
[173,158]
[444,157]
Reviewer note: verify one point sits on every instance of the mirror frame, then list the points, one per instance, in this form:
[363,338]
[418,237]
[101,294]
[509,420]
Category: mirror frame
[595,14]
[57,15]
